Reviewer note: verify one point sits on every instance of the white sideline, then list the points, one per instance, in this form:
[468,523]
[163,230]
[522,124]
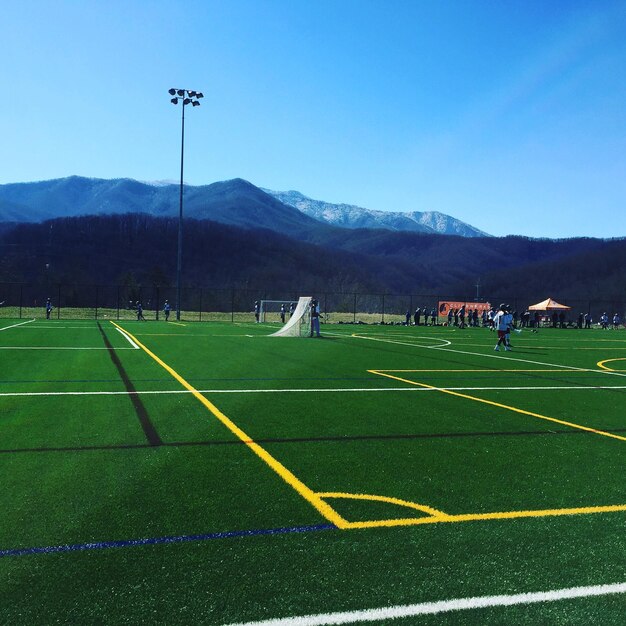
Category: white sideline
[364,390]
[353,390]
[19,324]
[443,606]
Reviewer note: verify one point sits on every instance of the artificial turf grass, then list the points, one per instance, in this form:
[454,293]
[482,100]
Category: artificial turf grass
[252,578]
[266,578]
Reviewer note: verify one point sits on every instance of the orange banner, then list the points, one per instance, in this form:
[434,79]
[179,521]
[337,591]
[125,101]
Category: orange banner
[447,305]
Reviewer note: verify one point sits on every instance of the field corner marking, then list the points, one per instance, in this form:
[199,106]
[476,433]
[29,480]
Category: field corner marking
[305,492]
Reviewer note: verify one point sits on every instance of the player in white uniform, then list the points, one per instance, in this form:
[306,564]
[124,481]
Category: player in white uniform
[502,324]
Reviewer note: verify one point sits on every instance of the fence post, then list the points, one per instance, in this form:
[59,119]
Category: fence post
[382,321]
[118,303]
[158,303]
[232,305]
[59,302]
[21,295]
[354,310]
[96,301]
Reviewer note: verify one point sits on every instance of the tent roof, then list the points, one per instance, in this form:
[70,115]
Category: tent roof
[549,305]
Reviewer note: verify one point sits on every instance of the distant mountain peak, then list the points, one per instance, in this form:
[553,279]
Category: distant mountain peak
[350,216]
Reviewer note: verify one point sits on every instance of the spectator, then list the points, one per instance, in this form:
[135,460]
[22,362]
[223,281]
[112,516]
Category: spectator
[315,318]
[140,316]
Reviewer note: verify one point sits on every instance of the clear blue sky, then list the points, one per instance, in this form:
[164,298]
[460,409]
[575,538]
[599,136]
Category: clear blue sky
[509,115]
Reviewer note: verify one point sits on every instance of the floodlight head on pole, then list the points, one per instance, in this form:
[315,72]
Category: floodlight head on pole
[172,92]
[195,103]
[199,94]
[174,100]
[181,92]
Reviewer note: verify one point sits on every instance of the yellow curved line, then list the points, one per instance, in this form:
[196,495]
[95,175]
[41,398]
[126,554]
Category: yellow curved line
[474,517]
[609,369]
[397,501]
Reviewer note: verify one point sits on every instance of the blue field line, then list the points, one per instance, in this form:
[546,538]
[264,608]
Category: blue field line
[151,541]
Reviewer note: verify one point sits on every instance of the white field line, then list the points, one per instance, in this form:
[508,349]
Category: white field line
[84,327]
[492,356]
[132,343]
[57,348]
[15,325]
[443,606]
[356,390]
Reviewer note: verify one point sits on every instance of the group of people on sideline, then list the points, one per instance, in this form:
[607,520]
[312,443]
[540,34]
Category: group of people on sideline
[460,317]
[136,306]
[430,318]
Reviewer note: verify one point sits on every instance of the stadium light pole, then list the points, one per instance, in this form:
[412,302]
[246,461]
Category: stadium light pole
[185,96]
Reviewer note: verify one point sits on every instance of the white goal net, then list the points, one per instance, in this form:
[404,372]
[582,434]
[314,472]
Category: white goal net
[299,324]
[270,310]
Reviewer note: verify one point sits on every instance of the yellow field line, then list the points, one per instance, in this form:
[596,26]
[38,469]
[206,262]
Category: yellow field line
[501,406]
[397,501]
[474,517]
[308,494]
[435,516]
[479,371]
[609,369]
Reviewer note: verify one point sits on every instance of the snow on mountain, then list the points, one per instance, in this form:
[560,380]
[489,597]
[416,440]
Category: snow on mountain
[349,216]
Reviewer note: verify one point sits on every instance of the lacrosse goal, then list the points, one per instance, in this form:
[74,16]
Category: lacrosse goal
[299,324]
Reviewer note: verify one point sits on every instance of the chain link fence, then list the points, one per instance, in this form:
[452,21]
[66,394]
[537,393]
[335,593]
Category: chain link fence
[237,305]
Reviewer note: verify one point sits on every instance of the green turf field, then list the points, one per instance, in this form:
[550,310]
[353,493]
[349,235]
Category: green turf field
[207,473]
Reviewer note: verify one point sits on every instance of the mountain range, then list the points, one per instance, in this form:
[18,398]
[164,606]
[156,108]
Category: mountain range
[236,202]
[90,231]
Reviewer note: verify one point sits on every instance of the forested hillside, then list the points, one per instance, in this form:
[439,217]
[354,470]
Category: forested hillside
[116,249]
